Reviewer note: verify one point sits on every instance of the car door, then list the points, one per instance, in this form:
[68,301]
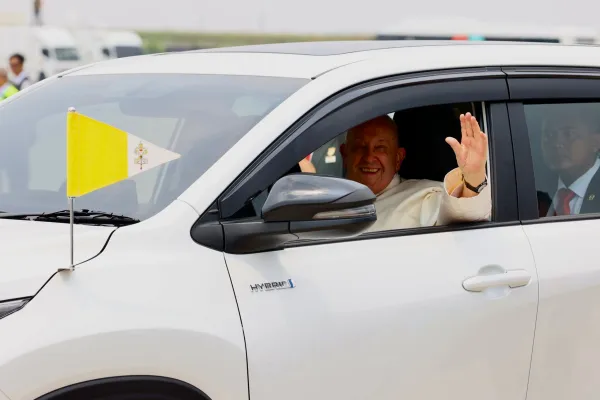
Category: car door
[566,350]
[387,315]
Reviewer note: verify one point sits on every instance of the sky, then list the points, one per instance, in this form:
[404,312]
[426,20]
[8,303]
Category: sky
[307,16]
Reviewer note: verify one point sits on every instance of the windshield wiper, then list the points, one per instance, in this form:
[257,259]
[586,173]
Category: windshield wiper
[79,217]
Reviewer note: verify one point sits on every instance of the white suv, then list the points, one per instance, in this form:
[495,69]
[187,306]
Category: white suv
[227,275]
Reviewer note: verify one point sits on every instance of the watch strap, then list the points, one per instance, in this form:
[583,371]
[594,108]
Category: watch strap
[478,188]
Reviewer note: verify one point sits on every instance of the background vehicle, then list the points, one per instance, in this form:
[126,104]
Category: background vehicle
[48,50]
[122,43]
[466,29]
[104,44]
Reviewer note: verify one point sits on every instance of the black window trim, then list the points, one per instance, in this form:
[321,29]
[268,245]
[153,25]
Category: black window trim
[502,170]
[531,85]
[526,198]
[502,181]
[449,86]
[426,230]
[551,72]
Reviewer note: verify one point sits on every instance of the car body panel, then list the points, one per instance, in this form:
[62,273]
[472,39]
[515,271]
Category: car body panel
[133,310]
[403,58]
[294,66]
[388,318]
[33,251]
[566,351]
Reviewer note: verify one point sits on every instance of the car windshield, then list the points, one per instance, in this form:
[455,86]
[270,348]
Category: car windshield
[197,116]
[67,54]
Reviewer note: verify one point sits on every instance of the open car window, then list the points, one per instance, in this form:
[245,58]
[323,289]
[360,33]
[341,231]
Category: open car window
[422,132]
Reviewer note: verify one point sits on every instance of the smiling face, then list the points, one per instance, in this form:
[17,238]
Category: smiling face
[371,153]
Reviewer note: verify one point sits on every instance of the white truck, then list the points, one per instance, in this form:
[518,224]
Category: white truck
[96,44]
[47,50]
[122,43]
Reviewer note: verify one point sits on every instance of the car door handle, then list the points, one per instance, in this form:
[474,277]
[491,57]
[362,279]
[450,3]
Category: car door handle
[514,278]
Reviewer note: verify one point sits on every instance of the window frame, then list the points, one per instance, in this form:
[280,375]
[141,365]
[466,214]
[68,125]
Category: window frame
[354,105]
[531,84]
[370,99]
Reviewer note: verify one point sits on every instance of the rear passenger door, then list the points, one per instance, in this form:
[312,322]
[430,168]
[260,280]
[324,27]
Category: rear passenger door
[555,119]
[386,315]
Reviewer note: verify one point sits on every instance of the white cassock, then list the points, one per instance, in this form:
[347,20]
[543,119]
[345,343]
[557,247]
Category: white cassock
[416,203]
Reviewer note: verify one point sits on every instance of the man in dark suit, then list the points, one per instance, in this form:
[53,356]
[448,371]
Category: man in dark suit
[570,147]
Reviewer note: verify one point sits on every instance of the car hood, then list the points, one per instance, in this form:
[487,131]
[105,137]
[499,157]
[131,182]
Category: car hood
[30,252]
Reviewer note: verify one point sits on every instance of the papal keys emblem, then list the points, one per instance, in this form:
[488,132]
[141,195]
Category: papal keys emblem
[140,151]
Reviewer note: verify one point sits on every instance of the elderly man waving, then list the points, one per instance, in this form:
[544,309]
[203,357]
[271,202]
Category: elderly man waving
[372,156]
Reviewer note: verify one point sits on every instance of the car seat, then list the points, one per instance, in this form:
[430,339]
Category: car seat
[422,133]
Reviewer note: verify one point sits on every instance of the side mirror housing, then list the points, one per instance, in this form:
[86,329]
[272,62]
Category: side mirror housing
[304,206]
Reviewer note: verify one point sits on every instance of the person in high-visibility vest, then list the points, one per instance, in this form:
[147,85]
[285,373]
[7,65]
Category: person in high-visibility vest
[7,89]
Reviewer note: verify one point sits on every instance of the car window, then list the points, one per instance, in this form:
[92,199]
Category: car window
[128,51]
[67,54]
[426,161]
[565,142]
[197,116]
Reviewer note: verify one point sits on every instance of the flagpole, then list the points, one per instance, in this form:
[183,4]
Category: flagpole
[71,222]
[71,218]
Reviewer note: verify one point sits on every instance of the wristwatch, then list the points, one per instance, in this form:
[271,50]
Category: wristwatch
[476,189]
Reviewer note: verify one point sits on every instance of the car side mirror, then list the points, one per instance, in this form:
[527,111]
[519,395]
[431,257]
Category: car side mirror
[304,206]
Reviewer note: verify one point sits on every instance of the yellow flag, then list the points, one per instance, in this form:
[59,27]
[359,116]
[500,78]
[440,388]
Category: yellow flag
[99,155]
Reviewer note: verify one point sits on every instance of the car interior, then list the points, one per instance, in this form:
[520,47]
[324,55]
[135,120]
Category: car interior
[422,133]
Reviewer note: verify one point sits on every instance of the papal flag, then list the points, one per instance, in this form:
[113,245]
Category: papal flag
[100,155]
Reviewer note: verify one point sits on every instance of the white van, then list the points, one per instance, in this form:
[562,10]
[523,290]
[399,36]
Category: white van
[101,44]
[47,50]
[118,44]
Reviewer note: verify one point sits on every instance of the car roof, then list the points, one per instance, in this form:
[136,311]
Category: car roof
[310,59]
[324,48]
